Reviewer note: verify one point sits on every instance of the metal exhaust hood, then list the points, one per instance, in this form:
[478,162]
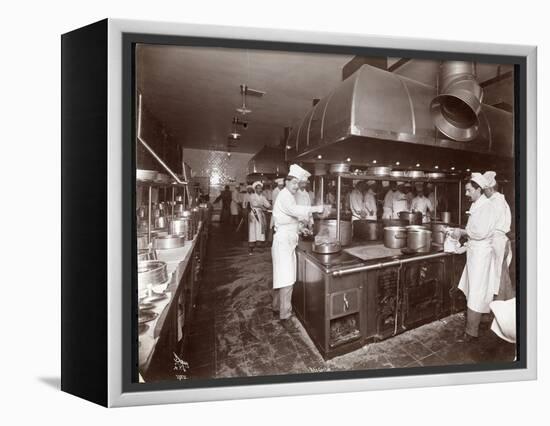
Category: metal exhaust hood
[268,161]
[378,114]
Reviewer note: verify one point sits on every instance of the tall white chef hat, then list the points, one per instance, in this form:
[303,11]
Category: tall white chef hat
[299,173]
[479,179]
[280,181]
[490,178]
[255,184]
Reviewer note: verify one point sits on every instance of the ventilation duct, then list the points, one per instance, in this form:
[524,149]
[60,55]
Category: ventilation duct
[455,110]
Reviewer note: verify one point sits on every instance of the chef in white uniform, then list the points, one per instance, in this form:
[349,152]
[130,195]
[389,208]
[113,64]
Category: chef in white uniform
[388,199]
[369,201]
[357,202]
[478,277]
[399,201]
[501,244]
[422,204]
[287,214]
[257,225]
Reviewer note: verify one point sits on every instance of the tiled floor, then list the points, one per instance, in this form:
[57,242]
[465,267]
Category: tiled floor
[234,332]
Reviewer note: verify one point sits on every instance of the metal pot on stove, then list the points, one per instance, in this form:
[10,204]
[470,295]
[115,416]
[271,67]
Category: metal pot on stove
[419,240]
[414,218]
[395,236]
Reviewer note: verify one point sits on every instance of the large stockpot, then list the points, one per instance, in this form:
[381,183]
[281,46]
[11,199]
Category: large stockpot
[419,240]
[339,168]
[182,226]
[367,230]
[414,218]
[328,227]
[438,231]
[395,236]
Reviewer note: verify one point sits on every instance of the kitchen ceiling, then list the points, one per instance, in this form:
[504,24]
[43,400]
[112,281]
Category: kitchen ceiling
[194,91]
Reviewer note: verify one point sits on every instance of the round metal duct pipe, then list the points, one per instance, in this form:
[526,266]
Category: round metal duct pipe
[455,110]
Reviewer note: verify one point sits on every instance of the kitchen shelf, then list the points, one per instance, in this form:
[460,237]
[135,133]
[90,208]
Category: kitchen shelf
[160,184]
[392,178]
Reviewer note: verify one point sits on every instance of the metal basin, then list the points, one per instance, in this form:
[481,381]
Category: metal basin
[151,272]
[168,242]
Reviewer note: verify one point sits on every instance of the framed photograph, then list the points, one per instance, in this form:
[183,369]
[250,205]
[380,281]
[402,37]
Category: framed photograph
[280,213]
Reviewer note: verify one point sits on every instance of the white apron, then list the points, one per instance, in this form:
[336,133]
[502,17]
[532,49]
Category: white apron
[479,276]
[283,253]
[256,225]
[500,241]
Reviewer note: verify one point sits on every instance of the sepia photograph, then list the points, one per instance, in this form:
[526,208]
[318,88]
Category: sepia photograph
[306,213]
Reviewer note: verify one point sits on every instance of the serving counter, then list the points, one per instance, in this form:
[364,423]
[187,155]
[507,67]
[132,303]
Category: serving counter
[166,334]
[367,293]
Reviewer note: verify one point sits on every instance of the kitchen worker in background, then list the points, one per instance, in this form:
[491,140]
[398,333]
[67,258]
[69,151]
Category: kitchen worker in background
[399,201]
[422,204]
[388,200]
[431,195]
[310,192]
[257,224]
[267,192]
[225,197]
[331,197]
[235,201]
[409,193]
[369,201]
[501,243]
[478,281]
[357,202]
[280,185]
[287,214]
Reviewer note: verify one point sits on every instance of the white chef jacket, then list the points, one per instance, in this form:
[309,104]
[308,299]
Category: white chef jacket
[388,204]
[286,216]
[356,204]
[399,204]
[422,204]
[370,205]
[311,197]
[274,194]
[479,282]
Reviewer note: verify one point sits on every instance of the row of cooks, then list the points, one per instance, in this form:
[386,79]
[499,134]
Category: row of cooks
[361,201]
[485,276]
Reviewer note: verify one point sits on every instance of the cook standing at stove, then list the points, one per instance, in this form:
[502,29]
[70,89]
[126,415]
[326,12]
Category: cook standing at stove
[388,199]
[369,201]
[422,204]
[478,281]
[399,201]
[286,215]
[257,225]
[304,199]
[501,243]
[356,202]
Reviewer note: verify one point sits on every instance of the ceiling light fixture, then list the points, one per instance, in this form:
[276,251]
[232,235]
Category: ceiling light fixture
[417,164]
[320,157]
[373,161]
[437,167]
[397,163]
[245,90]
[348,159]
[452,168]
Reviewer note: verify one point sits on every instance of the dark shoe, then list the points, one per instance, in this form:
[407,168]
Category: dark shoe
[466,338]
